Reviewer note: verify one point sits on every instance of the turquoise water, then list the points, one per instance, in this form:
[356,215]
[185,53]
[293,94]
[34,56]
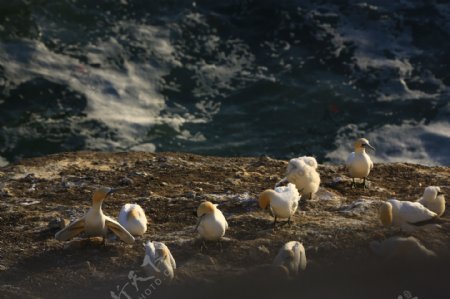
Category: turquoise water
[231,78]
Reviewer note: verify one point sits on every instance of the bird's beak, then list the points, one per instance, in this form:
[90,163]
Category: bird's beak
[371,147]
[282,182]
[440,193]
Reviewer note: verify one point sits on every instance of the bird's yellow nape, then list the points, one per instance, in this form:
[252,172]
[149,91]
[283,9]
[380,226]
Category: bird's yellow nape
[361,142]
[264,199]
[386,214]
[134,213]
[205,207]
[100,194]
[164,252]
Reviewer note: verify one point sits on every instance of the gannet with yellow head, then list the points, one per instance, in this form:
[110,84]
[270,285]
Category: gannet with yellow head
[211,224]
[434,200]
[404,213]
[132,218]
[358,162]
[94,223]
[281,202]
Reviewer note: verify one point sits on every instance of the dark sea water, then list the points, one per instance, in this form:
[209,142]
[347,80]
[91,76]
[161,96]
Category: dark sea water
[231,78]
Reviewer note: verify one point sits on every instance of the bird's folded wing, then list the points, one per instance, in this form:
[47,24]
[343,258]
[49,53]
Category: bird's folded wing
[414,212]
[349,161]
[119,230]
[172,261]
[294,206]
[303,261]
[70,231]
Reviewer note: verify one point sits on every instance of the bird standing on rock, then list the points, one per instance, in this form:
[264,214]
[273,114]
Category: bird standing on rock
[358,162]
[303,174]
[281,202]
[95,223]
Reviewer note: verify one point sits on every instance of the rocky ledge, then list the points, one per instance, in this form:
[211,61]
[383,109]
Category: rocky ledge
[336,228]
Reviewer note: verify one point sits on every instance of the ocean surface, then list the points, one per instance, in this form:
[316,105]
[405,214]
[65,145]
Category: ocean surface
[231,78]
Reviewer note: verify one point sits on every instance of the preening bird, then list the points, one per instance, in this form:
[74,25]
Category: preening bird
[158,260]
[281,202]
[211,224]
[94,223]
[303,174]
[433,199]
[404,213]
[358,162]
[292,256]
[132,218]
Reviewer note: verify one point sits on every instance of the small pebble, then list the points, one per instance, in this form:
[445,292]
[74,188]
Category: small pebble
[190,194]
[126,181]
[263,249]
[235,182]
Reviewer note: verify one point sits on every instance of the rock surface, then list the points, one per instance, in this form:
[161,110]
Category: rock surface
[39,195]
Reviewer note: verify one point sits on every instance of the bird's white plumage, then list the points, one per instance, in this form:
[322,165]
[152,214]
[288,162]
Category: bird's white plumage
[132,217]
[292,256]
[284,201]
[359,165]
[212,225]
[158,260]
[432,200]
[304,176]
[119,230]
[406,212]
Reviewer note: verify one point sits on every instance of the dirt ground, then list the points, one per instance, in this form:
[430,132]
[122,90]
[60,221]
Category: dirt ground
[335,227]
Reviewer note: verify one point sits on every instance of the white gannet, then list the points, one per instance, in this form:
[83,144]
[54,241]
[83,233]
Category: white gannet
[132,218]
[281,202]
[358,162]
[434,200]
[401,248]
[292,256]
[303,174]
[404,213]
[95,223]
[211,224]
[158,260]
